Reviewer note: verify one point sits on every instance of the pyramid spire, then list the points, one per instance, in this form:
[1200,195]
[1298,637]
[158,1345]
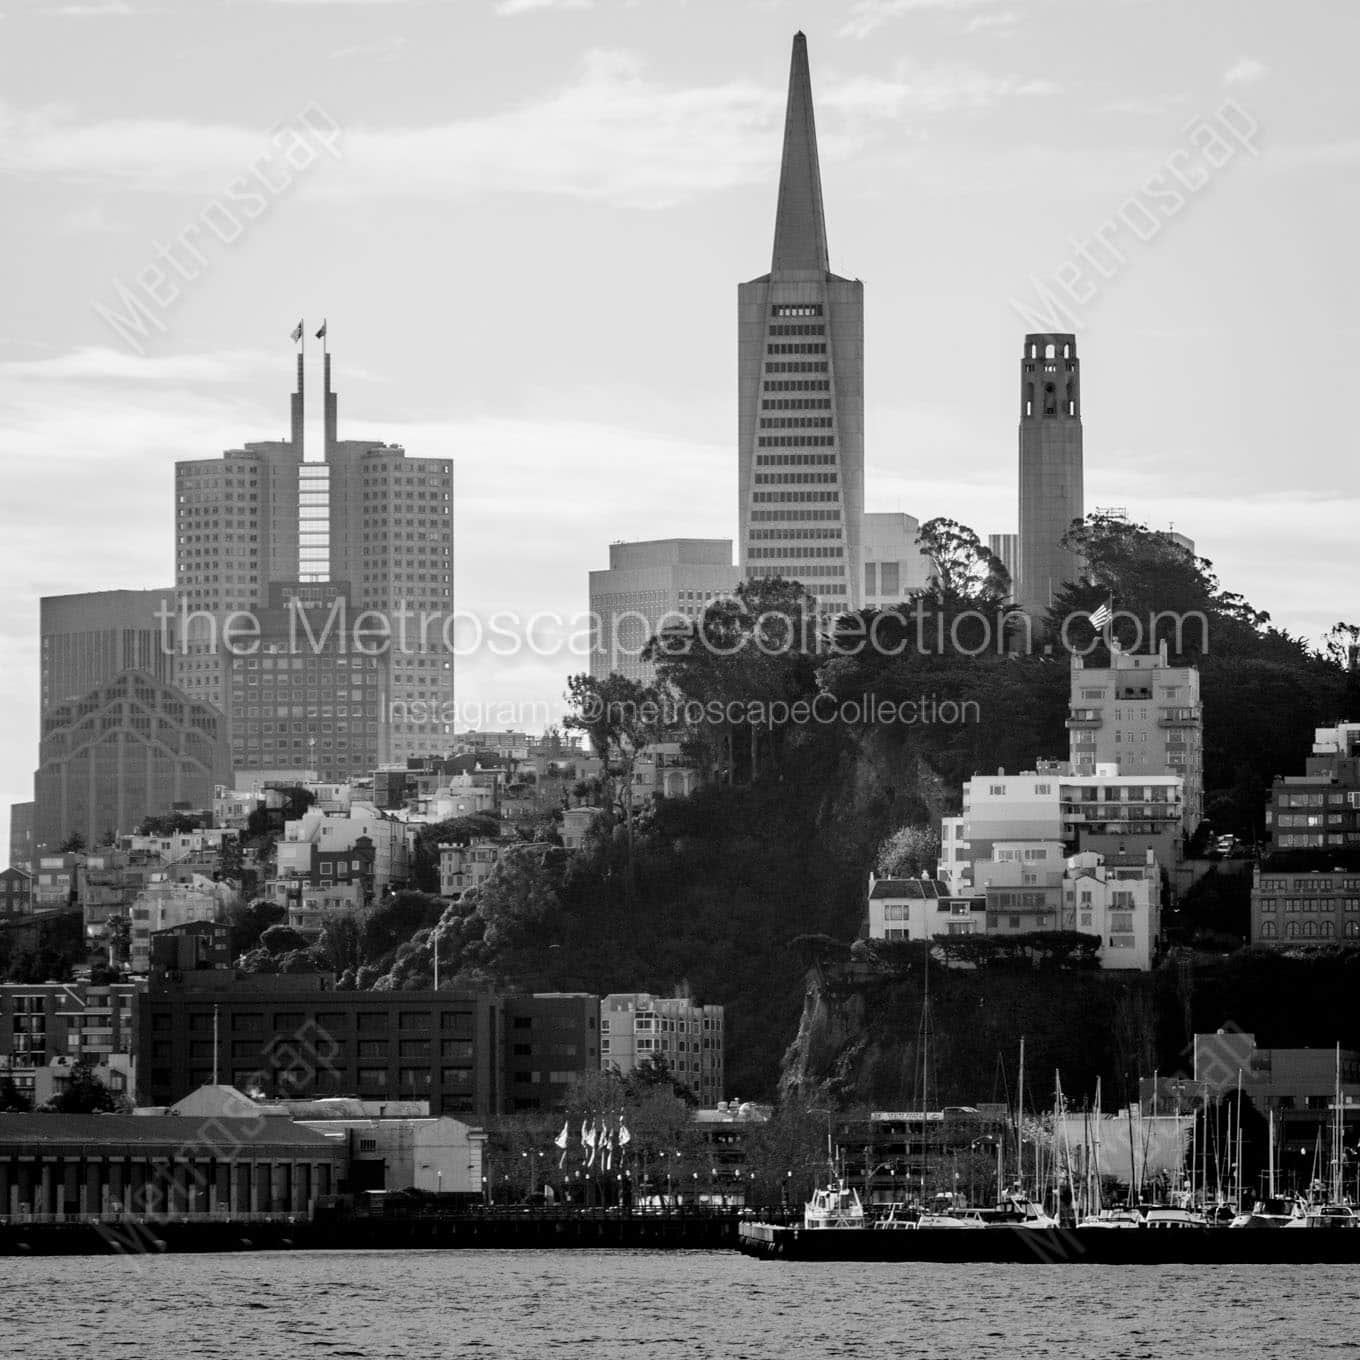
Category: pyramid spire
[800,224]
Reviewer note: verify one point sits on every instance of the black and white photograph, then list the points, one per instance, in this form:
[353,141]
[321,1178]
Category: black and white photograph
[681,679]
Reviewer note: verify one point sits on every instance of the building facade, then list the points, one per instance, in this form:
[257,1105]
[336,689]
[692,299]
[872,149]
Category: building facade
[650,586]
[637,1026]
[132,747]
[1319,809]
[919,909]
[894,567]
[86,640]
[363,524]
[1144,716]
[801,387]
[1051,494]
[1303,907]
[296,1037]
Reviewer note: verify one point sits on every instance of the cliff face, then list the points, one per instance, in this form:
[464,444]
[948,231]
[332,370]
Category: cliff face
[859,1039]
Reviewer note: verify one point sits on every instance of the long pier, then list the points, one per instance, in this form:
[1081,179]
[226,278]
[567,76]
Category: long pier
[534,1229]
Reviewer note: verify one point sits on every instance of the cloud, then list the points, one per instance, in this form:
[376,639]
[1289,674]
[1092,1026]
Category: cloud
[96,364]
[509,8]
[1245,71]
[867,16]
[614,133]
[383,49]
[996,22]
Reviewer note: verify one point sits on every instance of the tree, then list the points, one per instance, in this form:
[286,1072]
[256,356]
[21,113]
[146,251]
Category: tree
[908,853]
[248,923]
[282,939]
[964,570]
[619,717]
[12,1099]
[169,824]
[73,844]
[83,1093]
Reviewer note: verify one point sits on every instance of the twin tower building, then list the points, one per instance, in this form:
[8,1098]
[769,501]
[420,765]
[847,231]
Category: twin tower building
[801,411]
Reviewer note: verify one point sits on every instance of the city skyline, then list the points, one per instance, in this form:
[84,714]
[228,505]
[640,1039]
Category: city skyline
[939,433]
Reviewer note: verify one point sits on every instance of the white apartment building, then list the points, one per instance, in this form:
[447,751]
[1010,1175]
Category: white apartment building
[1120,903]
[317,831]
[636,1026]
[576,824]
[650,586]
[1102,810]
[1143,715]
[919,909]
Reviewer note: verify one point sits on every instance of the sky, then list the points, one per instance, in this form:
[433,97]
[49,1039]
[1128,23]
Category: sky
[525,221]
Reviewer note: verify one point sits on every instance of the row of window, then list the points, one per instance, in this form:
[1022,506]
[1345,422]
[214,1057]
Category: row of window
[797,385]
[795,441]
[792,516]
[795,403]
[795,534]
[796,309]
[797,347]
[766,497]
[797,478]
[1325,905]
[1311,930]
[809,329]
[796,422]
[796,366]
[1322,883]
[795,460]
[794,554]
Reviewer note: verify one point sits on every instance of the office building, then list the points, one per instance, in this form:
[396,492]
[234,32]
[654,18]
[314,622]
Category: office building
[1006,547]
[637,1026]
[361,528]
[305,697]
[1143,715]
[894,567]
[1051,495]
[21,835]
[131,748]
[87,639]
[801,387]
[650,586]
[296,1037]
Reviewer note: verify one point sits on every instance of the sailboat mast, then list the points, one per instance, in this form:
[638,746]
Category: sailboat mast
[1020,1123]
[1270,1181]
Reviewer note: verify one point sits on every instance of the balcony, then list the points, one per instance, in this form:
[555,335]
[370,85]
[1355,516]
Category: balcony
[1178,717]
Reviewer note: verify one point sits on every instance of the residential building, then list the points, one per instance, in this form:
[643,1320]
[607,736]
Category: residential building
[919,909]
[45,1027]
[1022,887]
[662,770]
[576,825]
[1304,906]
[1119,903]
[132,747]
[648,587]
[894,567]
[467,866]
[163,904]
[1319,809]
[637,1026]
[365,847]
[1104,810]
[56,883]
[1051,495]
[87,640]
[1143,715]
[295,1036]
[800,342]
[191,947]
[16,892]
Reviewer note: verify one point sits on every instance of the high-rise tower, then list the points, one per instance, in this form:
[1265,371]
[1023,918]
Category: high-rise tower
[801,387]
[1050,468]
